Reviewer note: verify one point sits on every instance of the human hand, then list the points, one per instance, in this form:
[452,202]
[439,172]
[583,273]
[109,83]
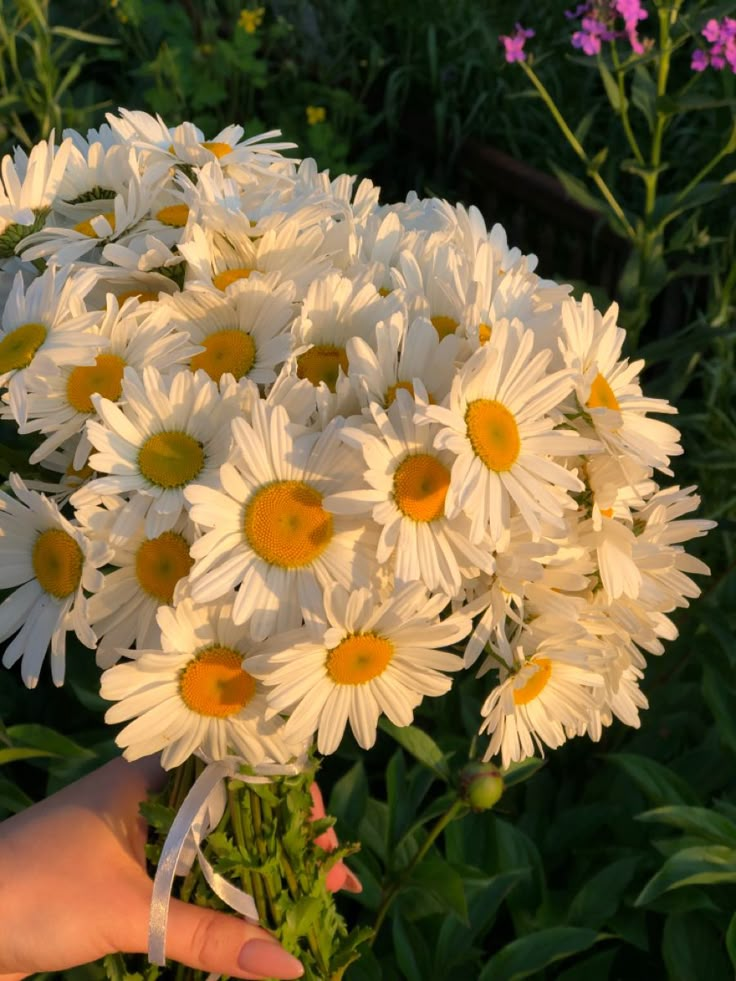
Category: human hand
[73,886]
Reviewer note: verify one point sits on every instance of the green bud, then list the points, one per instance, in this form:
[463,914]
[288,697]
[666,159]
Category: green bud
[481,785]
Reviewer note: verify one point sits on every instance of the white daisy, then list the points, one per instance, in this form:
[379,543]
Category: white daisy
[545,687]
[269,532]
[244,334]
[48,563]
[168,433]
[28,188]
[145,575]
[608,391]
[195,695]
[364,659]
[408,482]
[499,427]
[48,317]
[59,400]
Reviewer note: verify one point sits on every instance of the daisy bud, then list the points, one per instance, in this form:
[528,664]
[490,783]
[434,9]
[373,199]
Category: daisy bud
[481,785]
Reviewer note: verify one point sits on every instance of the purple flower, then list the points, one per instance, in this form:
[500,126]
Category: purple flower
[514,44]
[598,24]
[721,36]
[699,61]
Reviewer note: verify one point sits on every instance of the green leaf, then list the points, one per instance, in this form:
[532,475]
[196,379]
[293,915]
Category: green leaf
[484,901]
[657,782]
[644,95]
[438,877]
[699,865]
[612,90]
[49,741]
[62,30]
[672,105]
[692,948]
[521,771]
[697,821]
[595,968]
[600,897]
[577,189]
[721,700]
[531,954]
[12,798]
[412,956]
[349,796]
[16,753]
[421,746]
[731,940]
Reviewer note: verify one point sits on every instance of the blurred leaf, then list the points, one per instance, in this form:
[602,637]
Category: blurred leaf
[691,102]
[595,968]
[691,948]
[644,95]
[531,954]
[438,877]
[721,700]
[657,782]
[412,955]
[12,798]
[62,30]
[16,753]
[699,865]
[349,796]
[578,190]
[612,90]
[731,940]
[420,745]
[599,898]
[695,821]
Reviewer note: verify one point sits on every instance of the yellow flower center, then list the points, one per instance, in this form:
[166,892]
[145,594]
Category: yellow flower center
[322,363]
[226,351]
[601,395]
[215,684]
[19,346]
[390,397]
[420,487]
[160,563]
[286,524]
[607,512]
[444,325]
[484,333]
[384,291]
[57,563]
[143,296]
[175,215]
[78,476]
[219,149]
[170,459]
[493,434]
[537,678]
[359,658]
[85,227]
[229,276]
[105,377]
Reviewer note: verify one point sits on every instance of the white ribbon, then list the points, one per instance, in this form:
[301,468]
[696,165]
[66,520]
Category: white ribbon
[200,812]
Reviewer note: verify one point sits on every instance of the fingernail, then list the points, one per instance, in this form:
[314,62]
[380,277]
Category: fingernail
[268,959]
[352,883]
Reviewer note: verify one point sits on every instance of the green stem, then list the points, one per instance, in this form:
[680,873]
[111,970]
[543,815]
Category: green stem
[663,70]
[455,810]
[725,151]
[575,144]
[625,118]
[236,820]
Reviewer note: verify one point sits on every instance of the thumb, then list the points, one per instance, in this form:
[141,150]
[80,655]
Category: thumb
[224,944]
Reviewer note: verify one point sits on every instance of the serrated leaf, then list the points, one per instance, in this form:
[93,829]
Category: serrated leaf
[528,955]
[657,782]
[700,865]
[699,821]
[421,746]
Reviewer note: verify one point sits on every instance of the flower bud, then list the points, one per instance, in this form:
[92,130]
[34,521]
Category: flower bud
[481,785]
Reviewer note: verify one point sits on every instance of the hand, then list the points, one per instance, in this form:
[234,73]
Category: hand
[73,887]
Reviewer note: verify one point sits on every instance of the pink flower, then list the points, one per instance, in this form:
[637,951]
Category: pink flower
[699,61]
[722,37]
[598,24]
[514,45]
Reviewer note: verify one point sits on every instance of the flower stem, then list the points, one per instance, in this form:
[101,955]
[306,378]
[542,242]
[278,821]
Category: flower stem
[625,119]
[457,809]
[591,170]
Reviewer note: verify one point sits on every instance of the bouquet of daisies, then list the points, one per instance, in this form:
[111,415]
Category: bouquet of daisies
[297,459]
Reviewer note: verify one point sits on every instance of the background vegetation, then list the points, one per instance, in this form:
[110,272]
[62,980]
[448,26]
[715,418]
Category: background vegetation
[615,860]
